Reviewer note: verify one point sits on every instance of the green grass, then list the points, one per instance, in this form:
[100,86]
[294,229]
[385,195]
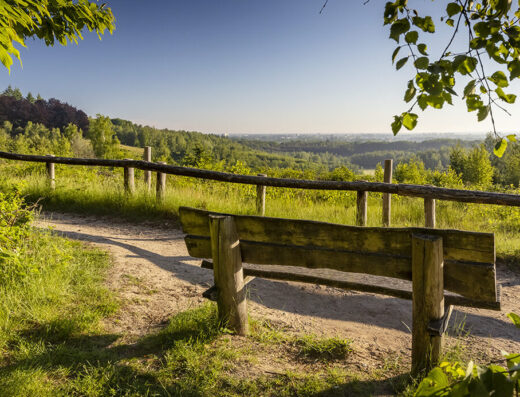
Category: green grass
[52,342]
[99,191]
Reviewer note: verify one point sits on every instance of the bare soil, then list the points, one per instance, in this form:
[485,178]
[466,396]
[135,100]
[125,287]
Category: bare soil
[156,278]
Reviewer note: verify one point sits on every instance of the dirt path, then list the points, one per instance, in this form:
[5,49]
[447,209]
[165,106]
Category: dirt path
[156,279]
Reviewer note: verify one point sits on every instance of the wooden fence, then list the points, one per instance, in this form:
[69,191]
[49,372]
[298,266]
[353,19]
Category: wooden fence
[428,193]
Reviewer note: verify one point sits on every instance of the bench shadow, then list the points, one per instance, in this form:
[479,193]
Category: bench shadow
[314,300]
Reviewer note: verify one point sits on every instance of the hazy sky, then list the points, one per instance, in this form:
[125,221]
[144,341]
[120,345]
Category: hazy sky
[240,66]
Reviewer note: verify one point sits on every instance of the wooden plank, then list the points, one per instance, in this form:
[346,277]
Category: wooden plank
[427,301]
[471,280]
[465,196]
[458,245]
[347,285]
[228,273]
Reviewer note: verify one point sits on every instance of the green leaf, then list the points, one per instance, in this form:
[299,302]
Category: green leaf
[499,78]
[390,12]
[400,63]
[483,113]
[467,65]
[410,92]
[499,150]
[470,88]
[509,98]
[411,37]
[425,24]
[396,125]
[473,102]
[482,29]
[422,48]
[453,9]
[409,120]
[514,69]
[394,54]
[422,63]
[450,22]
[515,318]
[398,28]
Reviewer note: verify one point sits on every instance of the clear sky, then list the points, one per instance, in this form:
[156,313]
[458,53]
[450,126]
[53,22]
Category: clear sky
[240,66]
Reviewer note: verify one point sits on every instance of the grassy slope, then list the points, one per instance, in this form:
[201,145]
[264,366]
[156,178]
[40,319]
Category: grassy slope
[52,343]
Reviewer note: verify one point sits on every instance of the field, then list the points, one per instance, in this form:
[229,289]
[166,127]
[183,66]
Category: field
[52,350]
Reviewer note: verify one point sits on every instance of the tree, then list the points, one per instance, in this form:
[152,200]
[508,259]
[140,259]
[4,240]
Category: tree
[102,136]
[49,20]
[30,97]
[493,32]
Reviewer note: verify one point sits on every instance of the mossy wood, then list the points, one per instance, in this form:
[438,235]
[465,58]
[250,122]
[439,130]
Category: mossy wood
[469,257]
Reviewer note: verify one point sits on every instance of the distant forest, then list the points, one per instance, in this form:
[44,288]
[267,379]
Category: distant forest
[36,125]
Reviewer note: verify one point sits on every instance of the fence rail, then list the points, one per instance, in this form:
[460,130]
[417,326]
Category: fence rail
[429,193]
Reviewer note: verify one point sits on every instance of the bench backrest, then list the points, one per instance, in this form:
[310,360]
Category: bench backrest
[469,257]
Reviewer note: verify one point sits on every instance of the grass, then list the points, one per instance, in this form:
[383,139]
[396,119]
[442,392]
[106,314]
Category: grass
[52,342]
[99,191]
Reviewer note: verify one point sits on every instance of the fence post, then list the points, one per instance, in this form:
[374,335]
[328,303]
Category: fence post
[161,184]
[387,197]
[129,179]
[429,212]
[260,198]
[427,300]
[51,175]
[147,156]
[362,210]
[228,273]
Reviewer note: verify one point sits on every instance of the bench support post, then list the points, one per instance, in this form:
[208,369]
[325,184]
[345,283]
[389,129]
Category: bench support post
[427,300]
[228,273]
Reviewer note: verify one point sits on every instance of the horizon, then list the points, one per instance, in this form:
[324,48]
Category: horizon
[242,68]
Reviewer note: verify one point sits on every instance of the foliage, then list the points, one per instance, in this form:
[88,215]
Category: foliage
[452,379]
[15,220]
[49,20]
[492,31]
[103,138]
[474,166]
[52,113]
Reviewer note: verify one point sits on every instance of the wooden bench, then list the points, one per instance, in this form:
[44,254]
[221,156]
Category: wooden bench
[434,260]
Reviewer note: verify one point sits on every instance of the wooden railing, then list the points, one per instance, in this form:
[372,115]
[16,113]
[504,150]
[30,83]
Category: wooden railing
[428,193]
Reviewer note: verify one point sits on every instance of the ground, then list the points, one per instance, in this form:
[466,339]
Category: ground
[156,278]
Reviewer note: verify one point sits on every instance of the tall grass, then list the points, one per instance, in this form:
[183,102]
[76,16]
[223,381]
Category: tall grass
[100,191]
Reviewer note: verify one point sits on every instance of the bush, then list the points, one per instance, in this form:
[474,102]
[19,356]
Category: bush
[15,220]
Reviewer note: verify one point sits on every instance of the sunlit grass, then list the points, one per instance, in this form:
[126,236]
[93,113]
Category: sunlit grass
[100,191]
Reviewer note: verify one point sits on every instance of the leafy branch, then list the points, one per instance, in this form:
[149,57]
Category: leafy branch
[492,29]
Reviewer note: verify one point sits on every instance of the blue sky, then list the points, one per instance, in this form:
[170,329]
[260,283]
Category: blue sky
[239,66]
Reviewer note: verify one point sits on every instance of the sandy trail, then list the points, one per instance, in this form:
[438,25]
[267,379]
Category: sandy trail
[156,278]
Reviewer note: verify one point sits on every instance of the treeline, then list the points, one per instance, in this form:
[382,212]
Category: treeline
[450,166]
[195,149]
[51,113]
[434,153]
